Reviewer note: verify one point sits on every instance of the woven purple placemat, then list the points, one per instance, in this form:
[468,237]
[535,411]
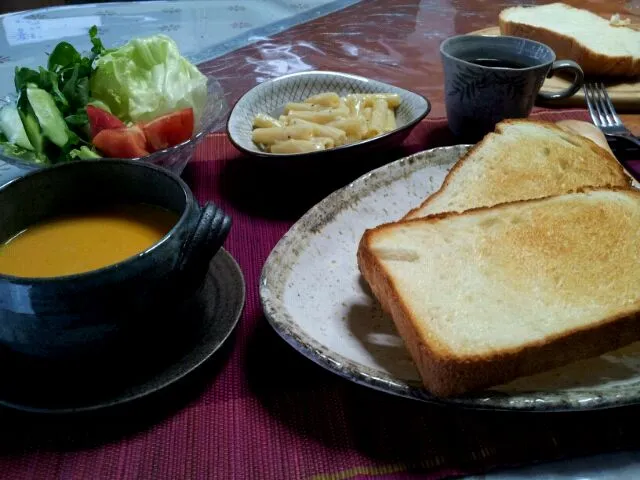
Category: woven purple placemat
[265,412]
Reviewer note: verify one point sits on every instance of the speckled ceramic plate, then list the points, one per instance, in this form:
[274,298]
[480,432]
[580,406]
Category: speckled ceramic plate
[271,97]
[140,369]
[313,296]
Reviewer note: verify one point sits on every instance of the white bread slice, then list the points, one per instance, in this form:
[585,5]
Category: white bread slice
[491,294]
[599,47]
[587,130]
[523,159]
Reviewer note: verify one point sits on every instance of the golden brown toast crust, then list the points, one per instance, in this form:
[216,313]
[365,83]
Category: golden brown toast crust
[444,374]
[567,48]
[451,174]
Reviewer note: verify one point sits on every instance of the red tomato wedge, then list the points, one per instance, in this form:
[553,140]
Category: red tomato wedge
[170,129]
[101,120]
[126,142]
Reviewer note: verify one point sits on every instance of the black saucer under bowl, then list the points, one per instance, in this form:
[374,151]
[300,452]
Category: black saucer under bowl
[144,366]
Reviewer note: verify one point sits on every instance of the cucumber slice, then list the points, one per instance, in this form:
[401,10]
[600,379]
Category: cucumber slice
[49,117]
[11,126]
[32,127]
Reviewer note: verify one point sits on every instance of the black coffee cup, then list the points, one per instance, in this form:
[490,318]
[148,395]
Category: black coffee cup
[492,78]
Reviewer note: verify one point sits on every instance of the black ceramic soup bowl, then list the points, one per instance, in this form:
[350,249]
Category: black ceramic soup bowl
[85,314]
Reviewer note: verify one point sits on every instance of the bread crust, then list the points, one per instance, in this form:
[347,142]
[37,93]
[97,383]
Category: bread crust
[568,48]
[444,374]
[498,130]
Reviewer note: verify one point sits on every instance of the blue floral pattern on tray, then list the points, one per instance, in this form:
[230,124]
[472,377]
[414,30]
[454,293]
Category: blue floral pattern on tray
[203,29]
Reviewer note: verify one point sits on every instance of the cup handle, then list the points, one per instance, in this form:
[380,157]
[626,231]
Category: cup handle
[576,84]
[208,236]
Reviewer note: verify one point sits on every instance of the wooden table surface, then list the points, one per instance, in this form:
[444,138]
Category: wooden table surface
[389,40]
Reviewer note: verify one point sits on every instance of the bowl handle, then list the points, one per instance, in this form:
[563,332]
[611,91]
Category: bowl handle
[208,236]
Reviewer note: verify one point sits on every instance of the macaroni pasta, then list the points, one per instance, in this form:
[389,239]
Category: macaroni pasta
[326,121]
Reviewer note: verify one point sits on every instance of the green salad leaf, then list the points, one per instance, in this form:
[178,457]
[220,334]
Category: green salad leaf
[83,153]
[76,90]
[66,80]
[25,76]
[97,49]
[63,55]
[16,151]
[147,78]
[77,120]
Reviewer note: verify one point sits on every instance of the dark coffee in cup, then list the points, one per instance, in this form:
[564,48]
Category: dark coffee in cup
[496,62]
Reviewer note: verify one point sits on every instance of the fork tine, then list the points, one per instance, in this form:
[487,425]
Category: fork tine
[598,106]
[609,105]
[602,104]
[588,95]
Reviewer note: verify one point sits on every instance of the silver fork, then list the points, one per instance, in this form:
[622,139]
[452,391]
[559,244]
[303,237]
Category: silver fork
[603,114]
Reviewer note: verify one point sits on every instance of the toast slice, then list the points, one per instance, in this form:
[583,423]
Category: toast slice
[491,294]
[597,45]
[520,160]
[587,130]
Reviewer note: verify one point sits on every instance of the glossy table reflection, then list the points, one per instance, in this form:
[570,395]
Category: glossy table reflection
[392,41]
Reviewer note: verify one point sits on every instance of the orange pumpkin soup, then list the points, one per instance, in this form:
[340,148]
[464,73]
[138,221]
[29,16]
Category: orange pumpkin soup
[81,242]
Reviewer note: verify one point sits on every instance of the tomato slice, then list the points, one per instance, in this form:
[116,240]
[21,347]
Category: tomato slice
[101,120]
[170,129]
[126,142]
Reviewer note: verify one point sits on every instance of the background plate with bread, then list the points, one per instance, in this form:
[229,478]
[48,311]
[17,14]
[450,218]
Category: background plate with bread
[478,324]
[604,48]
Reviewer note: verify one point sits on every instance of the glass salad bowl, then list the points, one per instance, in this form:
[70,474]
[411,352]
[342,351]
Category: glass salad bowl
[173,158]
